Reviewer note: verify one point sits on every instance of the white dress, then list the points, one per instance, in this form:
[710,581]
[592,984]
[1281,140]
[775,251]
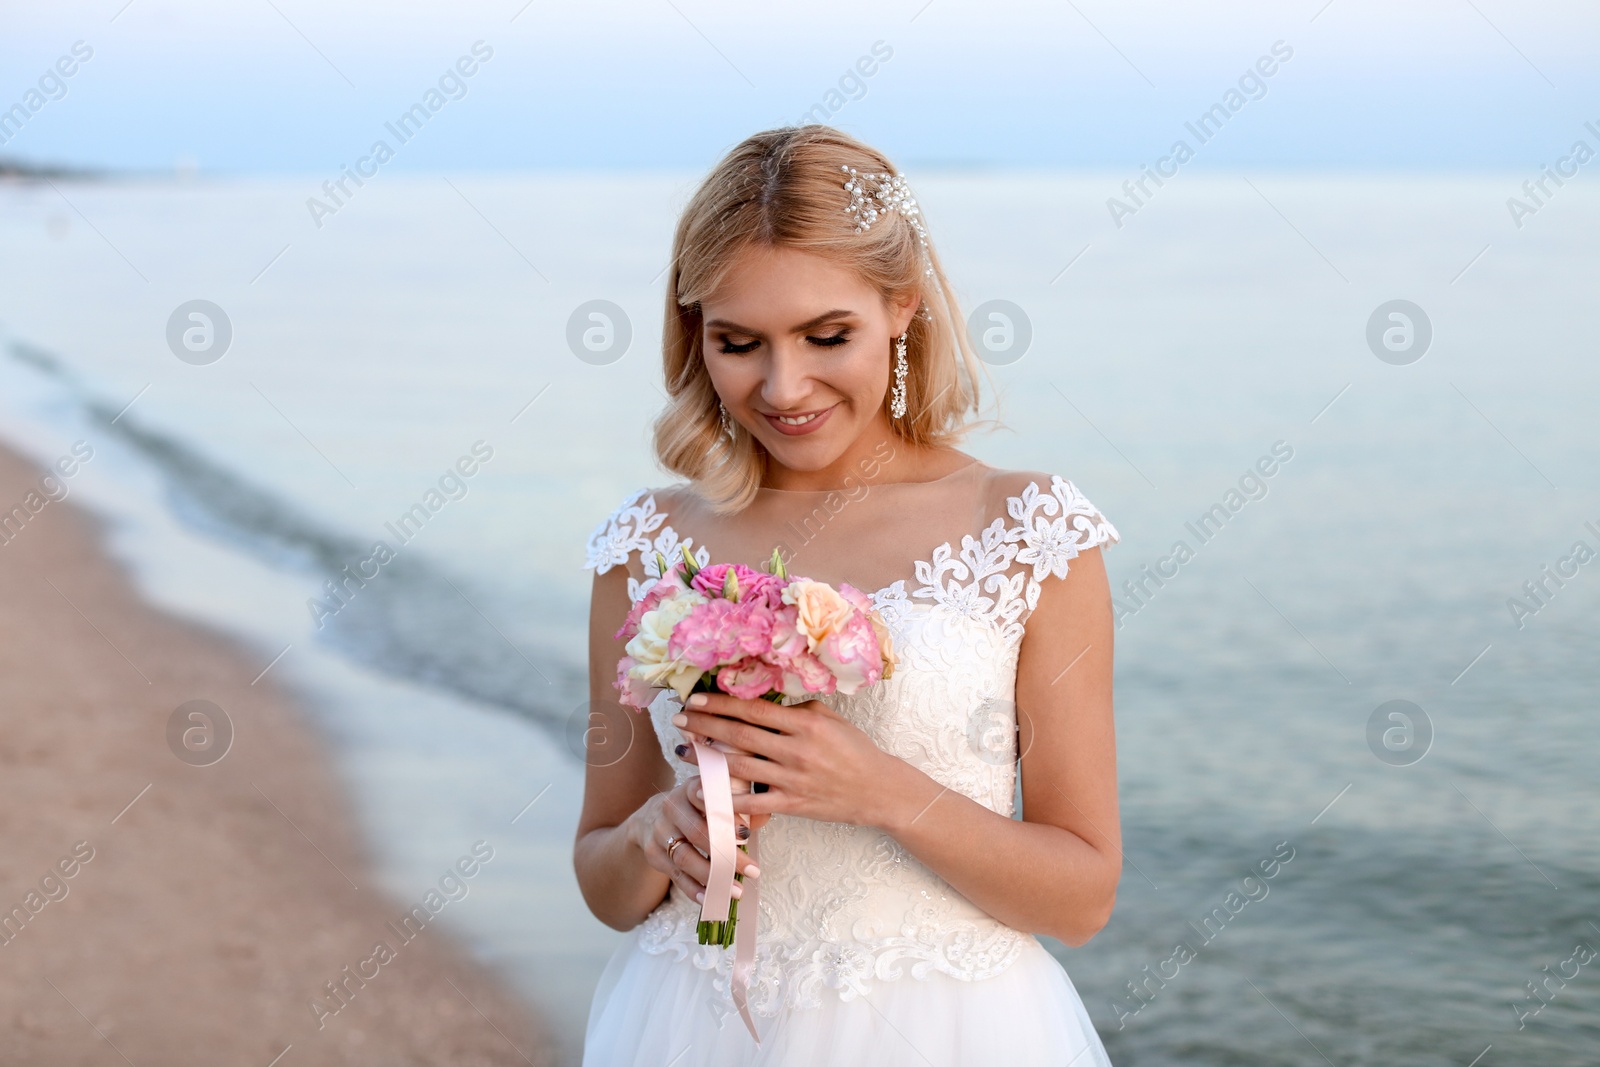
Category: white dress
[865,955]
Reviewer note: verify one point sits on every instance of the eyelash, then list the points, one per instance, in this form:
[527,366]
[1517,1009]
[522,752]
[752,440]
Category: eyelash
[831,341]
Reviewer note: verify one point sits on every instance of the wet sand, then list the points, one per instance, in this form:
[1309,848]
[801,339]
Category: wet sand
[165,910]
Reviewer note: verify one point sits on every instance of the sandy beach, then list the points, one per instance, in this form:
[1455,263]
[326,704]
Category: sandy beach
[160,905]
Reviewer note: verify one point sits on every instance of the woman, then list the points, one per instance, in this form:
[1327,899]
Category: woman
[819,374]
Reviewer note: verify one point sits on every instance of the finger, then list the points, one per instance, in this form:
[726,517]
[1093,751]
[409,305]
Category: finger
[764,713]
[698,867]
[753,769]
[695,791]
[691,888]
[667,861]
[689,821]
[686,753]
[733,732]
[759,806]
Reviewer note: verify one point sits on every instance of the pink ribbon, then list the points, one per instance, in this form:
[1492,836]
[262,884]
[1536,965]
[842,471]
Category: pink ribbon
[719,788]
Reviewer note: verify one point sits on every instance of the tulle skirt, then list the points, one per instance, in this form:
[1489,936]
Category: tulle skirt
[654,1011]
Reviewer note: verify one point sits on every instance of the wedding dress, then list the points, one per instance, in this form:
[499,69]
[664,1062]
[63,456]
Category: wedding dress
[864,954]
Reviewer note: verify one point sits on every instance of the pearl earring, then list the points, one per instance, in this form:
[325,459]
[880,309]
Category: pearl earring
[897,399]
[727,423]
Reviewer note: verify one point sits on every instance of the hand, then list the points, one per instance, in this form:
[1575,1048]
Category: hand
[814,762]
[680,812]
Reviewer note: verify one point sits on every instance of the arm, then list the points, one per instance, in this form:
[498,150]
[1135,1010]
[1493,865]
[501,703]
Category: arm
[1055,872]
[624,776]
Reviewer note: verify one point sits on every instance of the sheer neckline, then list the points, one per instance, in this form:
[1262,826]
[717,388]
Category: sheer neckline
[963,469]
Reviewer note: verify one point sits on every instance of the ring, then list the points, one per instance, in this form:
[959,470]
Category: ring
[672,843]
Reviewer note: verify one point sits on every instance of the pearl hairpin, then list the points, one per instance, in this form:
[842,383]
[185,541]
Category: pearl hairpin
[891,193]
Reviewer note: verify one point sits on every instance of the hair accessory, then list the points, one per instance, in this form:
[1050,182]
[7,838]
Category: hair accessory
[876,192]
[897,399]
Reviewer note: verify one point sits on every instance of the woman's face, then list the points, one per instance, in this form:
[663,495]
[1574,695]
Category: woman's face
[793,334]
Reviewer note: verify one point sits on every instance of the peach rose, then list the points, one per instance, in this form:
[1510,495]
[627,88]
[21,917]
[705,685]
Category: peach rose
[822,610]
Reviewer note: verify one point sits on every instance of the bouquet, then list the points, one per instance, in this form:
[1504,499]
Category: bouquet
[727,628]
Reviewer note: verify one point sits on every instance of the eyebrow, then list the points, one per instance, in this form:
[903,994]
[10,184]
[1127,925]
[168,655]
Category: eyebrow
[836,313]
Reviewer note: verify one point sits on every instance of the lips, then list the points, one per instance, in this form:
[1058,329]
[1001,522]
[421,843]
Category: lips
[811,425]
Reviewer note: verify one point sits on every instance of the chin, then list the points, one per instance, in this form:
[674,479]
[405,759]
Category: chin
[809,453]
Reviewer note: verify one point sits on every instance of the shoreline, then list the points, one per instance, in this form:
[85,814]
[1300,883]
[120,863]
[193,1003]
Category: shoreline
[183,906]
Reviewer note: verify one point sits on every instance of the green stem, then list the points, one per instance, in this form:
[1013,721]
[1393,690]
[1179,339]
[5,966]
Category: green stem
[720,932]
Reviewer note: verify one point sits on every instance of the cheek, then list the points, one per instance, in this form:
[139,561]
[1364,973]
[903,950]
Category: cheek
[728,377]
[866,373]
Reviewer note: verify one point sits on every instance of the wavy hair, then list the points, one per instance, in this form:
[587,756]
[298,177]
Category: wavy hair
[785,188]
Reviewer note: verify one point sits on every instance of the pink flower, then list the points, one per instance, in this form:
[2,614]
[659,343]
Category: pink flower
[788,640]
[851,654]
[634,692]
[720,632]
[753,584]
[856,597]
[804,675]
[749,679]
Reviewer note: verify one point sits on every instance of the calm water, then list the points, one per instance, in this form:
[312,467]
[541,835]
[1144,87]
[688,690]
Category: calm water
[1375,564]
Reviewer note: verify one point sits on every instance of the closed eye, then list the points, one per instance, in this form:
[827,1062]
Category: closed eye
[830,341]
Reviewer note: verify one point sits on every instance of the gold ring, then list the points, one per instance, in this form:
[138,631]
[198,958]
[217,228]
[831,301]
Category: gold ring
[672,843]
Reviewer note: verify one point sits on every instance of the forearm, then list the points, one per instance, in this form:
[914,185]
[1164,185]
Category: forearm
[1032,876]
[617,883]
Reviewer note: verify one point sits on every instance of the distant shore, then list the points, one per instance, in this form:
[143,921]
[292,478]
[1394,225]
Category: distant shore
[160,905]
[17,170]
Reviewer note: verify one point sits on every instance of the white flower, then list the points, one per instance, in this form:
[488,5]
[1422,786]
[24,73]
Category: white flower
[651,662]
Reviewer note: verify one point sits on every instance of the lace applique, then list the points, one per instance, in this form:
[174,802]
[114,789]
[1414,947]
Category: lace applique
[626,530]
[845,906]
[1051,529]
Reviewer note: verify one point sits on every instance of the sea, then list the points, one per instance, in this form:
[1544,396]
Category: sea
[1344,423]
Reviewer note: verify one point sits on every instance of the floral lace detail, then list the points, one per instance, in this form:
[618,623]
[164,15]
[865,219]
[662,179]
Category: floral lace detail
[626,530]
[845,906]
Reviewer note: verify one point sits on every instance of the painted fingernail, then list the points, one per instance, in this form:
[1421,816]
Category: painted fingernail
[698,700]
[700,791]
[680,750]
[680,719]
[738,891]
[700,898]
[744,832]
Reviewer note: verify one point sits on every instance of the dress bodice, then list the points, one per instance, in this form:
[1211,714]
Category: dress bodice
[844,906]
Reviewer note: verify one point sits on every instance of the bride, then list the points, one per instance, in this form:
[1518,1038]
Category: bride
[819,374]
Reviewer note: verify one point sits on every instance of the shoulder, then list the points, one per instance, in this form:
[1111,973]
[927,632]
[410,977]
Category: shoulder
[636,525]
[1048,517]
[626,529]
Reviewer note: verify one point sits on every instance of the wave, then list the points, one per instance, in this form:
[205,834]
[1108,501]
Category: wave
[411,621]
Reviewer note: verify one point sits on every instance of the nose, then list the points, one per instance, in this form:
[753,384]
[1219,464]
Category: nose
[784,386]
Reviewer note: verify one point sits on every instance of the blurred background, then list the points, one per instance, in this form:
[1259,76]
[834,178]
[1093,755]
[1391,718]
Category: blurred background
[282,265]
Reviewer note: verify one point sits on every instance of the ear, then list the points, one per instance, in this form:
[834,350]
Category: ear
[902,311]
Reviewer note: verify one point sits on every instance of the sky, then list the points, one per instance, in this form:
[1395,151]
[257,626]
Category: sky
[307,86]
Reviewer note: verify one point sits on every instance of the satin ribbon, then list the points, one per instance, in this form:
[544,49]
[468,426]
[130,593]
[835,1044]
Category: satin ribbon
[720,823]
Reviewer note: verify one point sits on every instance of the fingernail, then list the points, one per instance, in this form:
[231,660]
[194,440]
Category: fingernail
[744,832]
[752,871]
[698,700]
[699,898]
[700,791]
[738,891]
[680,719]
[680,750]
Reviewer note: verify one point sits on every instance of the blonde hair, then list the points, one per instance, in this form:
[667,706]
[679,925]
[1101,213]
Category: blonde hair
[785,188]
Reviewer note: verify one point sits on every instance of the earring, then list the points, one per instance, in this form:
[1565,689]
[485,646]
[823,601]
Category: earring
[727,423]
[897,399]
